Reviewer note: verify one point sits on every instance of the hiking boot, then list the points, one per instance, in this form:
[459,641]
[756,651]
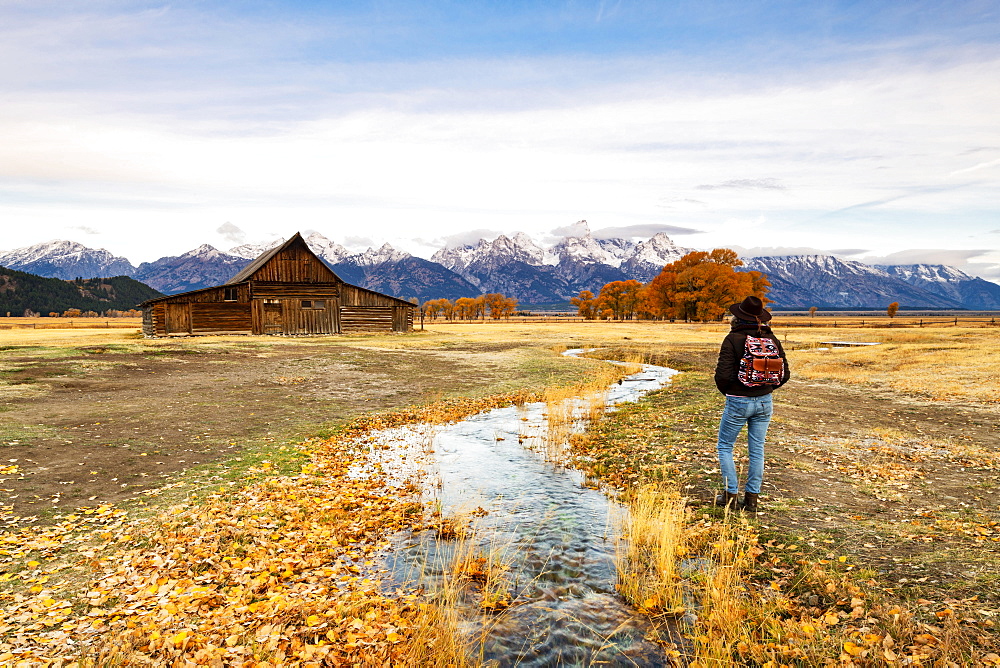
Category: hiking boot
[750,502]
[727,499]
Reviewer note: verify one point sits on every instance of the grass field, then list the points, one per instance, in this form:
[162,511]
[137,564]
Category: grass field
[879,539]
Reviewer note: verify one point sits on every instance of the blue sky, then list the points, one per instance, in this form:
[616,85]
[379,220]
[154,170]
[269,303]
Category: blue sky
[867,129]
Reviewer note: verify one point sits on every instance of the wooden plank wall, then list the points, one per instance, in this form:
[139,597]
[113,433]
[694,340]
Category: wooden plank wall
[295,264]
[148,327]
[355,319]
[402,318]
[295,290]
[352,295]
[214,295]
[225,317]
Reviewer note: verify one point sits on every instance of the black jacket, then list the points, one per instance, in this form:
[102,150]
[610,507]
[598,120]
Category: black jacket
[733,347]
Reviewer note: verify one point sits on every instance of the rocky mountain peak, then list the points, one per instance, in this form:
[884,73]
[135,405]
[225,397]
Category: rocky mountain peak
[64,259]
[372,257]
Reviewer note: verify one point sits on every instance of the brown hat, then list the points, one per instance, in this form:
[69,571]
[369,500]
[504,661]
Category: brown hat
[751,308]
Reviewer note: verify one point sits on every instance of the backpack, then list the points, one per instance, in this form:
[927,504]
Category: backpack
[761,363]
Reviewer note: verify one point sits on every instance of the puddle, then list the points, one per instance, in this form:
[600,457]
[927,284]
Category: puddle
[547,537]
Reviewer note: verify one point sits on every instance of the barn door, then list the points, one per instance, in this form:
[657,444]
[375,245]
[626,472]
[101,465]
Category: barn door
[272,318]
[178,318]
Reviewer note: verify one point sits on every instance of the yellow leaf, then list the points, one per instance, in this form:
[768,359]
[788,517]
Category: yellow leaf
[394,637]
[34,564]
[831,618]
[851,648]
[841,559]
[312,620]
[178,638]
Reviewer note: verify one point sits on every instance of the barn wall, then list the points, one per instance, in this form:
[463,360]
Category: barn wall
[295,290]
[152,320]
[295,264]
[352,295]
[354,319]
[209,317]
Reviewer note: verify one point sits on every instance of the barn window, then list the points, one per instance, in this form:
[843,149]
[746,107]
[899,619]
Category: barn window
[307,303]
[313,304]
[272,301]
[319,303]
[230,295]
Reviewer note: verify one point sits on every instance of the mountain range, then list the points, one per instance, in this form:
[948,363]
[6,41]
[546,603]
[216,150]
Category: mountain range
[519,267]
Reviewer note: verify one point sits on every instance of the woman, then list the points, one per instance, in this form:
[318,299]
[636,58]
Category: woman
[751,365]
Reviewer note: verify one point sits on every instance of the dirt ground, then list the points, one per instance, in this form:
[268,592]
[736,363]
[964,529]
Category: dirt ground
[92,424]
[908,488]
[905,487]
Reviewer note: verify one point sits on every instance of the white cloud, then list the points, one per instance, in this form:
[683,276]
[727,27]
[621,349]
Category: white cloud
[232,233]
[643,231]
[746,158]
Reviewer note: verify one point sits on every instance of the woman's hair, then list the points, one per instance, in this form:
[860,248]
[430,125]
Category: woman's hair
[736,320]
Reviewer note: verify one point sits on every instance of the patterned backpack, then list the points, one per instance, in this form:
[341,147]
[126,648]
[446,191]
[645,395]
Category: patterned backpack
[761,363]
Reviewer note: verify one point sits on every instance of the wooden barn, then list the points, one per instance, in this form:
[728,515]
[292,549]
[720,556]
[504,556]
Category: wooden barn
[287,290]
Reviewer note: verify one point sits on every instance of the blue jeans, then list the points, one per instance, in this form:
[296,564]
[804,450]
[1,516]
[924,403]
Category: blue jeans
[755,413]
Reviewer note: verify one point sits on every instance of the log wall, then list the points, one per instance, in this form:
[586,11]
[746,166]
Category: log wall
[226,317]
[354,319]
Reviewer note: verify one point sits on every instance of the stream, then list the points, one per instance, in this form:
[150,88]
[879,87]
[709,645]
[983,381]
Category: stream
[546,534]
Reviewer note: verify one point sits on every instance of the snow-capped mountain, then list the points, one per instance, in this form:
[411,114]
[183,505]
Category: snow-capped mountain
[66,260]
[801,281]
[649,257]
[588,250]
[949,282]
[203,267]
[503,249]
[253,251]
[373,257]
[518,266]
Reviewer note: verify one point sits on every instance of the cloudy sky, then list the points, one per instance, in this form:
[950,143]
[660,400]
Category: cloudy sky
[867,129]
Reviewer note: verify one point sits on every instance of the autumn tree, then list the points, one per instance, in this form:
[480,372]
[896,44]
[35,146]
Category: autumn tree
[465,308]
[621,298]
[701,286]
[812,311]
[892,309]
[435,307]
[586,305]
[499,306]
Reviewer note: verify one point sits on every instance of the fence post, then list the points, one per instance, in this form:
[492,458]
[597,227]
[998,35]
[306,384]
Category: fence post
[956,322]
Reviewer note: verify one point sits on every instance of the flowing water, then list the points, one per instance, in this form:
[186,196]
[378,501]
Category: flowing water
[542,530]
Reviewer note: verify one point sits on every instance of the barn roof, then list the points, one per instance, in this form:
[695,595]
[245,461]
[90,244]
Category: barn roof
[248,271]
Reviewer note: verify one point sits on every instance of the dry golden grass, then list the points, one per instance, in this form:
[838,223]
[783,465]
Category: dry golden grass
[939,364]
[654,539]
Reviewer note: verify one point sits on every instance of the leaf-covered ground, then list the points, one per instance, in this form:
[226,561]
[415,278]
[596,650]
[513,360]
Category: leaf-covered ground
[880,530]
[280,571]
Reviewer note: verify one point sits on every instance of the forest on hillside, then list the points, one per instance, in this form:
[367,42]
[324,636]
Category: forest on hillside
[21,292]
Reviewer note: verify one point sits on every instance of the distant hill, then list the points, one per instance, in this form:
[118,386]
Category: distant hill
[20,290]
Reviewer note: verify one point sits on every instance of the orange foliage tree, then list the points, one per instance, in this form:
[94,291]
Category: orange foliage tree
[701,286]
[621,298]
[586,305]
[466,308]
[435,307]
[499,306]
